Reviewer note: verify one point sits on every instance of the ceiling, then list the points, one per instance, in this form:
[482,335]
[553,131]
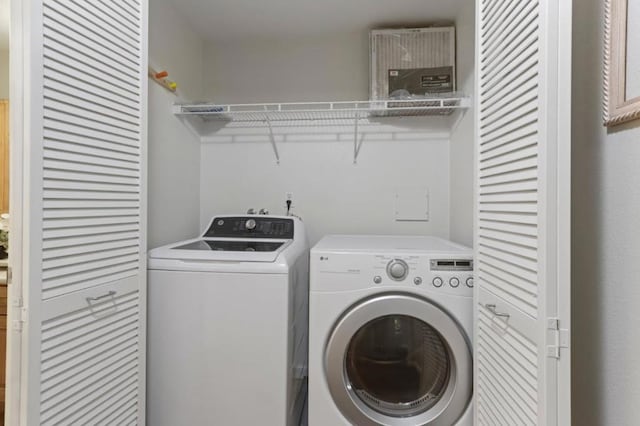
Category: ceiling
[4,24]
[224,20]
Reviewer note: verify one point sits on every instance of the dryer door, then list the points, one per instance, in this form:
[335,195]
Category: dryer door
[399,360]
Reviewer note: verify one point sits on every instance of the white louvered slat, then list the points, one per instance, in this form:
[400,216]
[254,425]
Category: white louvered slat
[491,252]
[511,178]
[110,113]
[89,177]
[86,191]
[92,151]
[83,44]
[508,209]
[494,142]
[112,413]
[103,247]
[509,145]
[515,268]
[504,226]
[63,49]
[505,156]
[89,144]
[57,266]
[68,124]
[83,213]
[67,164]
[508,372]
[508,163]
[82,241]
[81,119]
[116,17]
[521,219]
[511,119]
[89,149]
[519,29]
[107,19]
[90,186]
[60,286]
[84,94]
[79,24]
[514,29]
[88,357]
[528,118]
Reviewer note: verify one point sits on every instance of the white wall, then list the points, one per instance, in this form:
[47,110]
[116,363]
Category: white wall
[4,74]
[606,242]
[174,152]
[462,138]
[330,193]
[329,68]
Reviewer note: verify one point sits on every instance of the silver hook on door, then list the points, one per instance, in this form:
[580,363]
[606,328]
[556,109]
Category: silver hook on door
[93,302]
[492,308]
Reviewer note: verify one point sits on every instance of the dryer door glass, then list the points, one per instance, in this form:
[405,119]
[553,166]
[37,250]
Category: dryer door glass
[398,365]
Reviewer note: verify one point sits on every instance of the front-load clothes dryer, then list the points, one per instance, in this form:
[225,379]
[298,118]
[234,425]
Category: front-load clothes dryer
[228,321]
[390,332]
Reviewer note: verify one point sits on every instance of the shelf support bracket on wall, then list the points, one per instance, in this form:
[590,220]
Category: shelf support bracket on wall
[357,141]
[272,138]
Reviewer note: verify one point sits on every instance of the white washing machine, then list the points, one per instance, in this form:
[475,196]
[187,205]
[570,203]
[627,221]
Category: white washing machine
[390,332]
[228,321]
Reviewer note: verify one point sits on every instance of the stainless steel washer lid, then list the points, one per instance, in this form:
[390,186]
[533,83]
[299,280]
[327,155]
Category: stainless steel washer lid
[397,359]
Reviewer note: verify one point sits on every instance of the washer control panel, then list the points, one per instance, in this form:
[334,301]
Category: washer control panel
[251,227]
[453,276]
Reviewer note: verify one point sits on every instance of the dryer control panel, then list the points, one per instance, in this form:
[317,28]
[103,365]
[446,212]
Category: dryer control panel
[451,275]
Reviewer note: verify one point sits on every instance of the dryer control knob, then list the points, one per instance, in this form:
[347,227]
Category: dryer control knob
[250,224]
[470,282]
[397,269]
[437,282]
[454,282]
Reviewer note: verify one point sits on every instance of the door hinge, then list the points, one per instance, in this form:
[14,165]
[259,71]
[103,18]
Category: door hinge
[16,302]
[557,336]
[18,324]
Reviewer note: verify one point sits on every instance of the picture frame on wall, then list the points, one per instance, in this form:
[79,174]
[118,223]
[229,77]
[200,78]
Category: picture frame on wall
[621,68]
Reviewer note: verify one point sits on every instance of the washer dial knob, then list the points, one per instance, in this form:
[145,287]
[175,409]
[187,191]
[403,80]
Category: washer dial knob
[437,282]
[397,269]
[250,224]
[454,282]
[470,282]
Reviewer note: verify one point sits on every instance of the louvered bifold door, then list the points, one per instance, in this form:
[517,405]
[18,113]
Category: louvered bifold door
[522,212]
[85,289]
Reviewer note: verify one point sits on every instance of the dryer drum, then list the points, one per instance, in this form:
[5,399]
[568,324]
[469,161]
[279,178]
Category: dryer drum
[398,359]
[398,365]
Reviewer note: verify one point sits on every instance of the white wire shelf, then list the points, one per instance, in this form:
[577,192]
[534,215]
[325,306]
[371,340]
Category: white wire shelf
[436,106]
[268,113]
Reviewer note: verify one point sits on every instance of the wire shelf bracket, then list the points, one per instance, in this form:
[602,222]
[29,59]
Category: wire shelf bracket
[272,138]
